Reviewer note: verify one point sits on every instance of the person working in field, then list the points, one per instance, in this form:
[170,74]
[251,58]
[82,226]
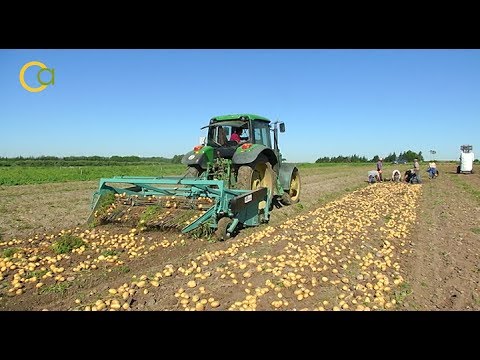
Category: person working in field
[416,170]
[396,175]
[432,170]
[373,176]
[236,135]
[379,169]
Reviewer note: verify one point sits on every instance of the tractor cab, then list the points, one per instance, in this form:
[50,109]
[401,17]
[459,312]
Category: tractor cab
[241,150]
[220,136]
[250,130]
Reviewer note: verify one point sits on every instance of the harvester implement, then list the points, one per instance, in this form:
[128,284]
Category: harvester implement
[185,204]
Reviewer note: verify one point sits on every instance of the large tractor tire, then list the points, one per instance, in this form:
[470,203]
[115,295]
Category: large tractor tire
[293,194]
[193,172]
[256,175]
[458,169]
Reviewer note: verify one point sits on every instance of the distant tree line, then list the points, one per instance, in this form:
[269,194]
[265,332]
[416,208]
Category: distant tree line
[406,156]
[342,159]
[87,160]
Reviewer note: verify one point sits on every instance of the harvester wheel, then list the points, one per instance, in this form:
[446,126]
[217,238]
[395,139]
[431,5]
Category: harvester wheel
[458,169]
[293,195]
[222,226]
[257,175]
[193,172]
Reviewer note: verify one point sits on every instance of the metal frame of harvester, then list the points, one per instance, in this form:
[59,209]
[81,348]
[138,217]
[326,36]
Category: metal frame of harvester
[230,207]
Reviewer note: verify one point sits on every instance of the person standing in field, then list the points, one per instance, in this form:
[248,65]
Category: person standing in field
[416,170]
[432,169]
[379,169]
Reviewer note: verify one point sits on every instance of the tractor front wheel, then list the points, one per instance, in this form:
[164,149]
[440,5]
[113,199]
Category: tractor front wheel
[193,172]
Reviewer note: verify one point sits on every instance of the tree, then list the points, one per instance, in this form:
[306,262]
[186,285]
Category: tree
[391,157]
[410,156]
[342,159]
[177,159]
[407,156]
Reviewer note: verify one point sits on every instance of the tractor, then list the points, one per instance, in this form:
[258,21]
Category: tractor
[250,164]
[228,184]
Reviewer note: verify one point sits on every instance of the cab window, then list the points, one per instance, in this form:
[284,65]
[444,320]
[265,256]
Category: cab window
[262,134]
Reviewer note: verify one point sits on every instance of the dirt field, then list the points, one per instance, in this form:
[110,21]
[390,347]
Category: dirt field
[346,246]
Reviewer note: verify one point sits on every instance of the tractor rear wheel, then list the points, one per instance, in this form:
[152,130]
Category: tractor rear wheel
[458,169]
[292,196]
[256,175]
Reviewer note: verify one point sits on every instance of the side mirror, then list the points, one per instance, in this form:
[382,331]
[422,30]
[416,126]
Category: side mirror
[202,140]
[282,127]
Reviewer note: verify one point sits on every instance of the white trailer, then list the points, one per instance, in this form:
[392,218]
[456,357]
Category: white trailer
[466,159]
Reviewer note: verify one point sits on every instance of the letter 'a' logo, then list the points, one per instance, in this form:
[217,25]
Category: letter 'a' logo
[43,84]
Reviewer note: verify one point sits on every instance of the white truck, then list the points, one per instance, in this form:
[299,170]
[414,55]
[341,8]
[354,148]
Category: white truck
[466,159]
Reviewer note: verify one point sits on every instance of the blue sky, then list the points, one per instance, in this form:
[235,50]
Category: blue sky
[153,102]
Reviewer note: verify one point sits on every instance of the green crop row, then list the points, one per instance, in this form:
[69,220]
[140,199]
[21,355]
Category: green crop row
[37,175]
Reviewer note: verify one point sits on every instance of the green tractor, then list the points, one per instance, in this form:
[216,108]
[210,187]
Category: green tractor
[250,162]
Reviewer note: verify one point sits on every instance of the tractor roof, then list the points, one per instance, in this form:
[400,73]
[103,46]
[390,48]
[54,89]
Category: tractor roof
[239,117]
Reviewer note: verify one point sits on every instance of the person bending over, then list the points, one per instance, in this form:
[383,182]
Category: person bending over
[396,176]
